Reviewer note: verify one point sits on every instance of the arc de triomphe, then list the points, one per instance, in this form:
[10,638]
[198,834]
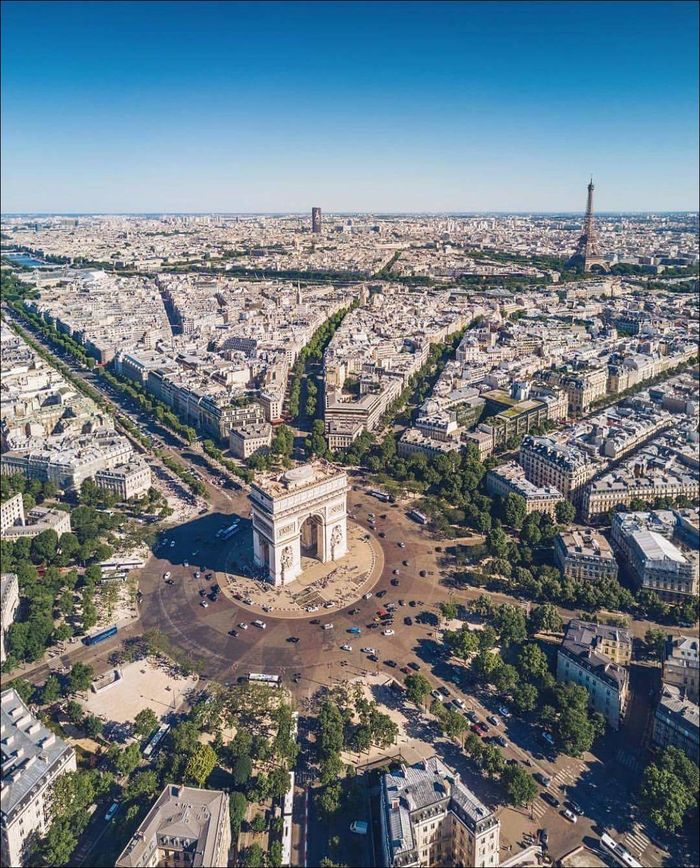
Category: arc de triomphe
[301,512]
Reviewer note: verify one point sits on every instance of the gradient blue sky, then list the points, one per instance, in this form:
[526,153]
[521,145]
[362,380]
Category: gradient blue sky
[185,106]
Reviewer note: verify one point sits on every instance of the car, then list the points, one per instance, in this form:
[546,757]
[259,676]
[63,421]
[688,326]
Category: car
[209,576]
[574,806]
[503,711]
[412,604]
[329,604]
[196,574]
[373,658]
[482,727]
[202,592]
[569,815]
[388,632]
[459,702]
[390,663]
[436,695]
[475,729]
[415,666]
[186,564]
[243,625]
[547,738]
[113,808]
[444,690]
[293,639]
[354,630]
[544,779]
[204,604]
[381,594]
[167,574]
[422,574]
[367,596]
[172,543]
[546,796]
[312,608]
[315,621]
[354,612]
[472,715]
[359,827]
[396,572]
[402,602]
[368,650]
[346,647]
[233,633]
[405,670]
[406,563]
[371,515]
[382,534]
[501,741]
[395,582]
[408,621]
[402,545]
[544,838]
[327,627]
[267,607]
[492,719]
[170,581]
[261,624]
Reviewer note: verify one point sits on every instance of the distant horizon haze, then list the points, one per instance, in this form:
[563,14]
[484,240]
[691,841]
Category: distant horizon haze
[386,107]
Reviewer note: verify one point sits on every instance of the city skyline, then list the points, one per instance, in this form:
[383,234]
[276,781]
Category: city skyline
[266,108]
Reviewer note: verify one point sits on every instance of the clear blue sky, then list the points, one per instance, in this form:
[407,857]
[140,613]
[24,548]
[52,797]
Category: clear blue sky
[200,106]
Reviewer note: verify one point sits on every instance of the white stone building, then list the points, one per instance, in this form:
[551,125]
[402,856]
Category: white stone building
[9,601]
[32,758]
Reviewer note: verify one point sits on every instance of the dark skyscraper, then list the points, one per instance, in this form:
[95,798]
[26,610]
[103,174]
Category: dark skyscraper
[586,255]
[316,220]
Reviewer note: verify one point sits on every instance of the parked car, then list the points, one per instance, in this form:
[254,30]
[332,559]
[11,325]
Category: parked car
[544,779]
[503,711]
[574,806]
[472,715]
[395,583]
[569,815]
[492,719]
[408,621]
[204,604]
[346,647]
[501,741]
[388,632]
[415,666]
[113,808]
[546,796]
[390,663]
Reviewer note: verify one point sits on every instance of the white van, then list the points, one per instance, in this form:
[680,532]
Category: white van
[359,827]
[259,623]
[327,626]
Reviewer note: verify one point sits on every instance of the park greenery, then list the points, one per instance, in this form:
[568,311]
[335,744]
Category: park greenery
[669,789]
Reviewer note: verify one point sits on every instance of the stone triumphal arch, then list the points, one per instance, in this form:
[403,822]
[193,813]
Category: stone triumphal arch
[299,513]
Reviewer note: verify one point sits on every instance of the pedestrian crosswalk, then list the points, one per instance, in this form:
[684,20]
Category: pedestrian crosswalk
[636,839]
[569,774]
[538,808]
[627,759]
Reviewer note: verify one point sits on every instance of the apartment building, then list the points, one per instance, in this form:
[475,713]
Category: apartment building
[12,512]
[39,519]
[429,817]
[585,554]
[510,478]
[596,656]
[656,564]
[248,439]
[548,462]
[677,722]
[681,666]
[125,480]
[9,601]
[33,758]
[185,827]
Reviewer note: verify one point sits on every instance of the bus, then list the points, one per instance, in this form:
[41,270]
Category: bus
[621,854]
[418,516]
[156,739]
[229,531]
[380,495]
[262,678]
[100,637]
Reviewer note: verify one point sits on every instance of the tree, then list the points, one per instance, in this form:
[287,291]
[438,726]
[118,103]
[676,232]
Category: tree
[75,713]
[145,722]
[524,697]
[544,619]
[521,788]
[665,797]
[565,512]
[253,856]
[200,764]
[44,547]
[278,781]
[330,769]
[58,845]
[532,662]
[510,624]
[80,677]
[93,725]
[50,691]
[125,760]
[448,610]
[417,688]
[655,642]
[238,804]
[274,854]
[142,783]
[258,824]
[504,677]
[242,770]
[514,510]
[492,760]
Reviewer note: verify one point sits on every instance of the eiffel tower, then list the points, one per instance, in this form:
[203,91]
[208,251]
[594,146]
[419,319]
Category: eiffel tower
[586,255]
